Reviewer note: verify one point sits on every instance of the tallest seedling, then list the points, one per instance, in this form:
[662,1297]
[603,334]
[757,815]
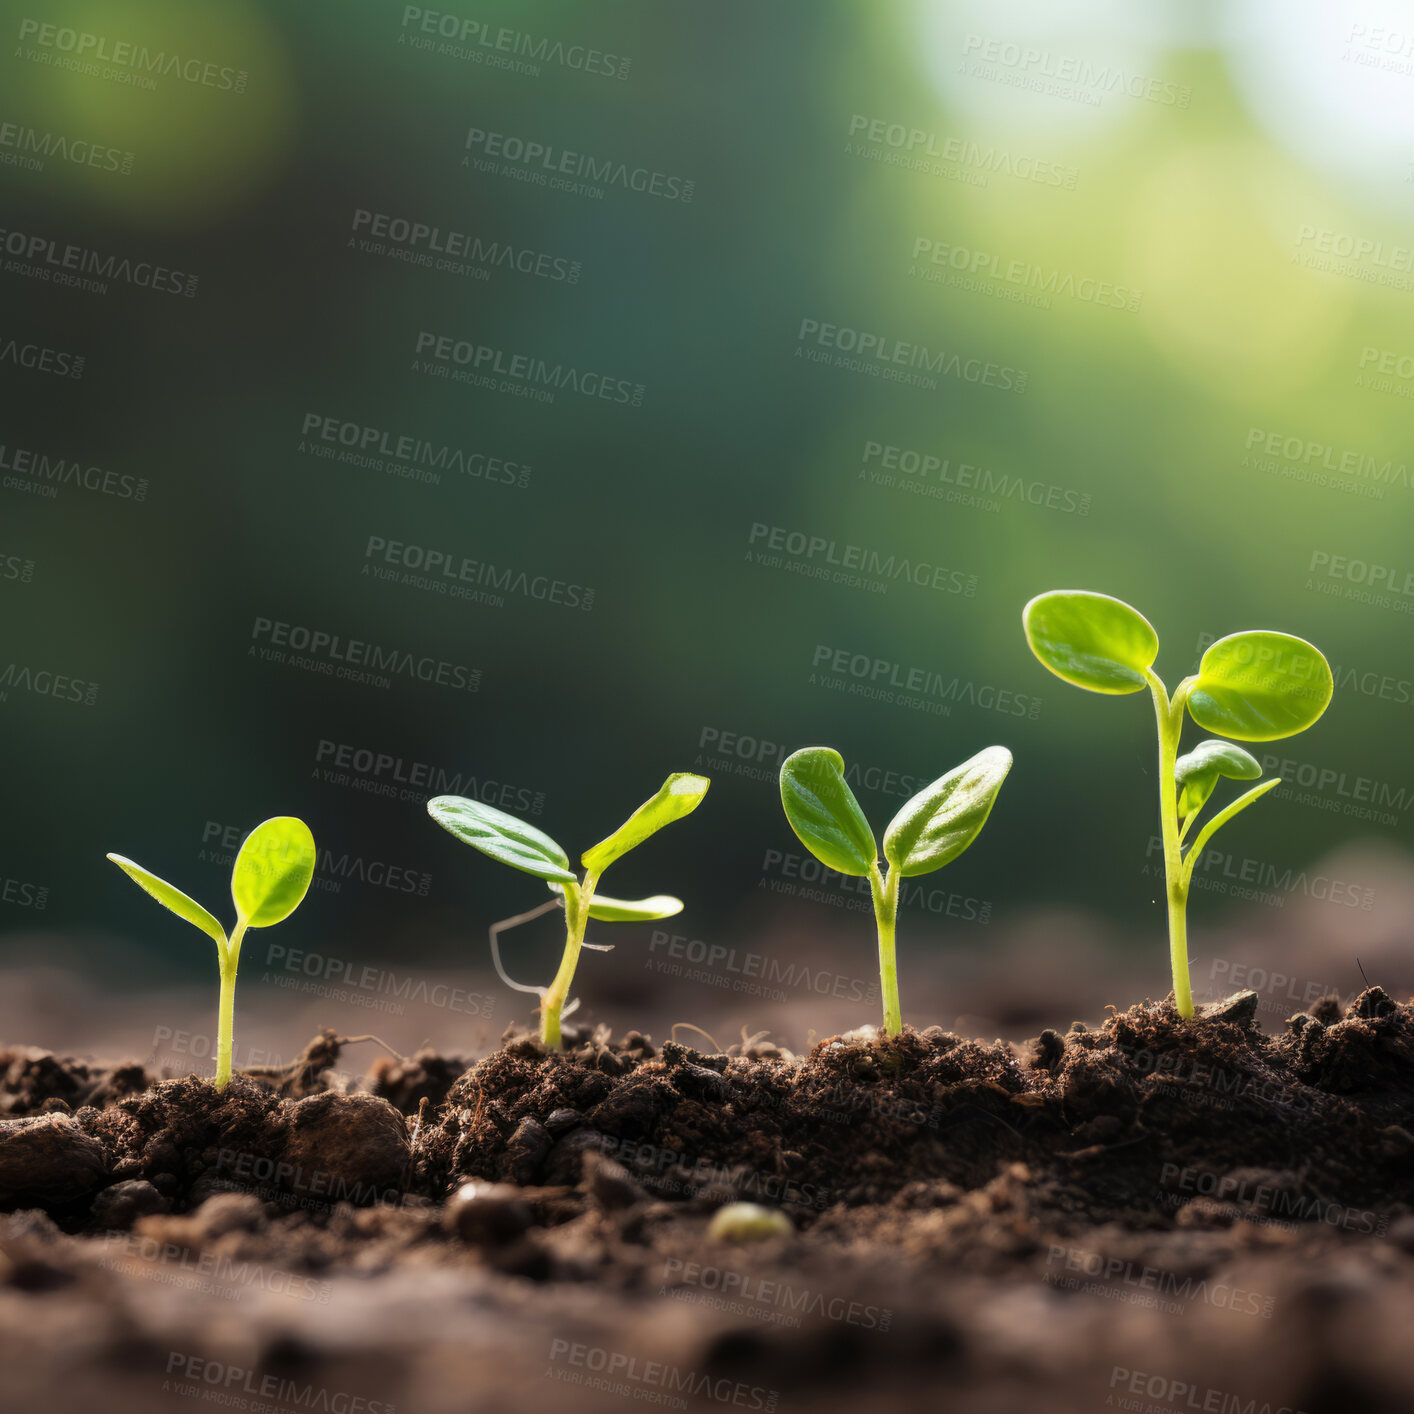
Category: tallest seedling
[1255,686]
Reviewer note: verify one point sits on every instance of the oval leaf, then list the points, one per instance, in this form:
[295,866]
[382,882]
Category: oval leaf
[1260,686]
[679,795]
[1197,772]
[172,898]
[938,823]
[273,870]
[823,812]
[1091,640]
[502,837]
[630,910]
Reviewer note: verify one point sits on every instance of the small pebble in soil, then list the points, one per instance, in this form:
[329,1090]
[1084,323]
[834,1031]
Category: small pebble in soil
[48,1156]
[748,1222]
[351,1148]
[119,1205]
[487,1214]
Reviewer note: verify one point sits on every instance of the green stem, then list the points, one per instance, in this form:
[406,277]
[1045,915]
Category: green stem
[577,900]
[226,1014]
[1170,721]
[885,891]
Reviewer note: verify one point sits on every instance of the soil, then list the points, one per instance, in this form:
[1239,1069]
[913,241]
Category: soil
[1145,1213]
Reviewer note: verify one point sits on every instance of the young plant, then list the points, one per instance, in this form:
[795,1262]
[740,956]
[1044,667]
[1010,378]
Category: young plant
[1254,686]
[270,877]
[523,847]
[931,830]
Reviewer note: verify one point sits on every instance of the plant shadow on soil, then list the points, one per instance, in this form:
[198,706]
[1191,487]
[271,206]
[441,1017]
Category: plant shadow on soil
[1132,1215]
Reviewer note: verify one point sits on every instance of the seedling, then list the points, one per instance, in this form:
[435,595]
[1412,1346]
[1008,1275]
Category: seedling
[523,847]
[931,830]
[1254,686]
[269,878]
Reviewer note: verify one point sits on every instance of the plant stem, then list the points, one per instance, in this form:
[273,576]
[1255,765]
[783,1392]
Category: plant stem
[885,892]
[577,900]
[1170,721]
[226,1015]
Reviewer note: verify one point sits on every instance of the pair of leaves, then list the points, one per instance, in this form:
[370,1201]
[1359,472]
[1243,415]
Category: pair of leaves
[931,829]
[1256,686]
[270,877]
[1197,772]
[523,847]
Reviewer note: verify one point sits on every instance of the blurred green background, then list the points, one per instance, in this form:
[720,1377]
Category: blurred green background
[1178,236]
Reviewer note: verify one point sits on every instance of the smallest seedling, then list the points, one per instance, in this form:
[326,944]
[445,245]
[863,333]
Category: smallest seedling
[748,1222]
[270,877]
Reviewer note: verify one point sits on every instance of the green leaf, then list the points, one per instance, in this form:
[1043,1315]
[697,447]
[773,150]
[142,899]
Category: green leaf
[630,910]
[1091,640]
[823,812]
[172,898]
[1260,686]
[1221,819]
[502,837]
[273,870]
[938,823]
[679,795]
[1197,772]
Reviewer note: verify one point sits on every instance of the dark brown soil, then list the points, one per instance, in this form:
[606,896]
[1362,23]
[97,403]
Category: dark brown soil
[1146,1215]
